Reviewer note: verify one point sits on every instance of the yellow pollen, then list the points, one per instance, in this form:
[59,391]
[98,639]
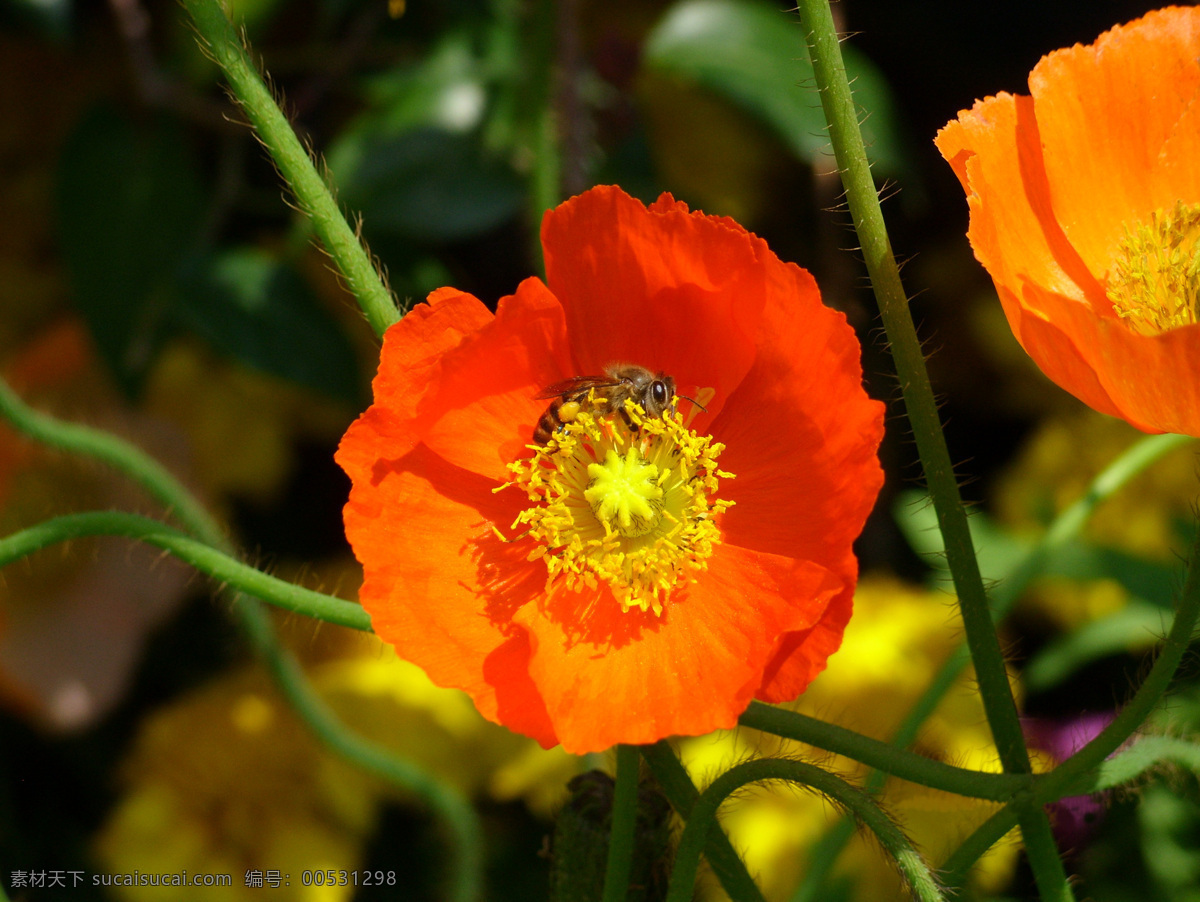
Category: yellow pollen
[629,507]
[1154,285]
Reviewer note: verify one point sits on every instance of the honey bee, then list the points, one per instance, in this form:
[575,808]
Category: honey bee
[621,382]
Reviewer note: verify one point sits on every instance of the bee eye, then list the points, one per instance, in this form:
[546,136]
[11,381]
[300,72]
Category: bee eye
[658,391]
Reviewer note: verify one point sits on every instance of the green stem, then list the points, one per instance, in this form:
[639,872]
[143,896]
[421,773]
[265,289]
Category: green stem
[704,814]
[624,824]
[456,815]
[203,557]
[681,792]
[998,701]
[954,870]
[1144,451]
[118,454]
[919,401]
[906,765]
[218,37]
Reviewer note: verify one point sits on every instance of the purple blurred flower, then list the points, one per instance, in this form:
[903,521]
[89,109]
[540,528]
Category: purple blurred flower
[1075,818]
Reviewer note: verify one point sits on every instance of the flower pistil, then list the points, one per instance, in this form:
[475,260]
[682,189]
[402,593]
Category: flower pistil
[628,501]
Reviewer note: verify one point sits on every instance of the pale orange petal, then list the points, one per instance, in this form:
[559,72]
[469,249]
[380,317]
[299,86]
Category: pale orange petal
[1104,112]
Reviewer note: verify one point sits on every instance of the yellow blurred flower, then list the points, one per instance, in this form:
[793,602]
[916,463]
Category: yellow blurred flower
[228,779]
[1066,453]
[240,424]
[1054,470]
[897,639]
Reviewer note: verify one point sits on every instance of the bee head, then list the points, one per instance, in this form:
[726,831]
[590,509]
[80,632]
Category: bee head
[659,394]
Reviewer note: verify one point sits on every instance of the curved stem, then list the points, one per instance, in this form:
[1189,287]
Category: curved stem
[203,557]
[118,454]
[999,704]
[704,813]
[624,824]
[460,819]
[218,38]
[682,794]
[954,869]
[465,869]
[906,765]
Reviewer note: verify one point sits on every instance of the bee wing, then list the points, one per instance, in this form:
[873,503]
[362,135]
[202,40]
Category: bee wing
[575,385]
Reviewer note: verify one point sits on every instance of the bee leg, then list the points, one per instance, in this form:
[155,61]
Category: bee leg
[633,427]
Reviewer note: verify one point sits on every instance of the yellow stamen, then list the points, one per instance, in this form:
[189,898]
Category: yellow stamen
[1154,285]
[631,508]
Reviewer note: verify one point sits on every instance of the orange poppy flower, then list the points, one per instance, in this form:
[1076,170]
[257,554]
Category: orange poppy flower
[615,584]
[1085,210]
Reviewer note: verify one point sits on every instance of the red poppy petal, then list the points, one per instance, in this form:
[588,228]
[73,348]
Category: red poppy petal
[801,656]
[801,434]
[410,368]
[1177,173]
[440,586]
[1039,320]
[670,290]
[486,407]
[1120,99]
[611,677]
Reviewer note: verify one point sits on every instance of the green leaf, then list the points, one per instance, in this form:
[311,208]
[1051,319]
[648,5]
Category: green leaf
[1135,627]
[753,55]
[1147,753]
[1170,843]
[414,164]
[431,185]
[998,551]
[263,314]
[129,209]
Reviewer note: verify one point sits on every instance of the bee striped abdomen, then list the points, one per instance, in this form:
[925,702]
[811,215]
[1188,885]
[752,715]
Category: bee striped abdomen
[549,423]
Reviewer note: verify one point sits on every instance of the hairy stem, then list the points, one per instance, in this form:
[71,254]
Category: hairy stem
[1087,770]
[217,36]
[211,552]
[682,794]
[220,566]
[1144,451]
[999,704]
[704,813]
[906,765]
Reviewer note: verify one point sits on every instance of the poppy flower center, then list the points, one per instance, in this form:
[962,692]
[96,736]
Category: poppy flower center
[1154,285]
[627,504]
